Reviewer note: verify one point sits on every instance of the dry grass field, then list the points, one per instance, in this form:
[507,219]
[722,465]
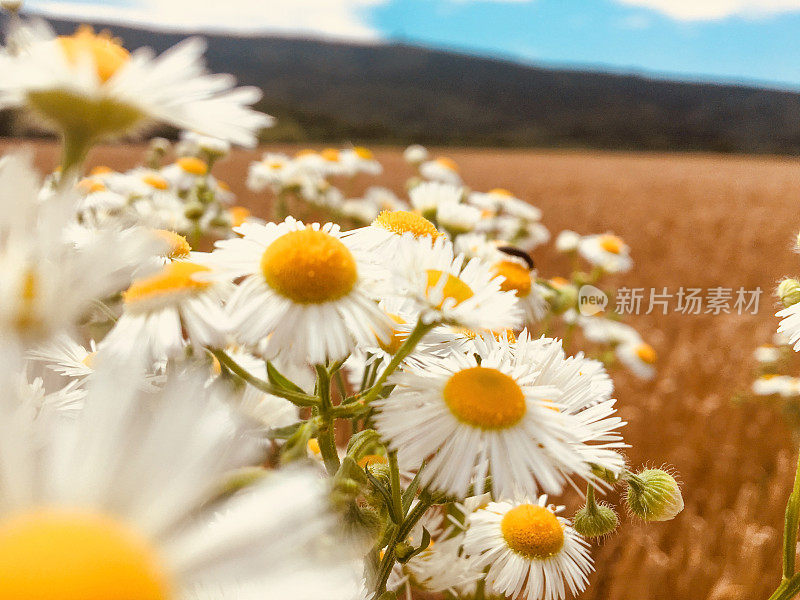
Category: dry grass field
[692,221]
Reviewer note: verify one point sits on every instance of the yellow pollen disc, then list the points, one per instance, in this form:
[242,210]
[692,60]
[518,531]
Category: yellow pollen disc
[532,531]
[76,556]
[372,459]
[363,153]
[88,360]
[404,221]
[611,243]
[330,154]
[107,53]
[177,246]
[223,185]
[238,215]
[313,446]
[447,163]
[26,318]
[91,186]
[471,335]
[559,282]
[485,398]
[501,192]
[646,353]
[193,165]
[276,165]
[309,267]
[397,338]
[305,152]
[453,288]
[156,181]
[515,276]
[101,170]
[174,277]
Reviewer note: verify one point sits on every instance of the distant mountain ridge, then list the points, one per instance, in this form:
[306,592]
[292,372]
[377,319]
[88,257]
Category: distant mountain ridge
[396,93]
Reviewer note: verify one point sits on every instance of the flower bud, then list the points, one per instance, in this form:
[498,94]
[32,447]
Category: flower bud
[789,292]
[654,495]
[13,6]
[194,210]
[606,475]
[595,521]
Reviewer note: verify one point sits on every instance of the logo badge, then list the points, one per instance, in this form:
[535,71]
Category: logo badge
[591,300]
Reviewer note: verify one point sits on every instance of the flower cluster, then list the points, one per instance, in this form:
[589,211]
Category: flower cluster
[307,410]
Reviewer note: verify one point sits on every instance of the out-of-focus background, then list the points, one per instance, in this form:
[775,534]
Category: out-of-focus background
[673,124]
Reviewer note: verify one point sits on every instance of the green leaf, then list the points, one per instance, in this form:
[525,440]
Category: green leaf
[276,379]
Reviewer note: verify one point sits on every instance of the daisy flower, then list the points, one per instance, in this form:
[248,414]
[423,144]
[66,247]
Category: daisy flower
[443,169]
[531,552]
[457,217]
[429,195]
[489,412]
[606,251]
[303,288]
[638,357]
[383,238]
[360,160]
[89,83]
[519,277]
[415,154]
[444,289]
[180,304]
[114,501]
[66,357]
[790,325]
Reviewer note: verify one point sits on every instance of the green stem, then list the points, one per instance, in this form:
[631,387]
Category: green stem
[419,331]
[591,505]
[74,150]
[791,525]
[787,590]
[327,433]
[397,491]
[297,398]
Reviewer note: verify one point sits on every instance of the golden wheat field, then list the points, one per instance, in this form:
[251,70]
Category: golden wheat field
[691,221]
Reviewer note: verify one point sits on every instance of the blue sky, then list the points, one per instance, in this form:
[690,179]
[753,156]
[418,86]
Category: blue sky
[732,40]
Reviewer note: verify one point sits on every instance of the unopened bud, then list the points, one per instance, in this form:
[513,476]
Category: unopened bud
[654,495]
[789,292]
[606,475]
[194,210]
[595,521]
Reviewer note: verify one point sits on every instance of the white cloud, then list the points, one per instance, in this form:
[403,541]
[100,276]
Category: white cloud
[329,18]
[710,10]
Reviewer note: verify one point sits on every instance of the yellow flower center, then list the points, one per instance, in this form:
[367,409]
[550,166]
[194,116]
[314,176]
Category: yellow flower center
[107,53]
[330,154]
[100,170]
[177,246]
[501,192]
[88,360]
[404,221]
[393,345]
[238,215]
[91,186]
[26,318]
[223,185]
[646,353]
[611,243]
[372,459]
[532,531]
[76,556]
[174,278]
[447,163]
[309,267]
[363,153]
[305,152]
[559,282]
[485,398]
[515,276]
[193,165]
[453,288]
[156,181]
[471,335]
[313,446]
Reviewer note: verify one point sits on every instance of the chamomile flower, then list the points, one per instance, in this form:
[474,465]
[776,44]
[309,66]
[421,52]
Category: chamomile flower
[531,552]
[442,169]
[486,412]
[780,385]
[360,160]
[790,325]
[606,251]
[443,288]
[384,237]
[520,278]
[90,82]
[66,357]
[113,501]
[568,241]
[180,304]
[304,289]
[426,197]
[457,217]
[639,358]
[415,154]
